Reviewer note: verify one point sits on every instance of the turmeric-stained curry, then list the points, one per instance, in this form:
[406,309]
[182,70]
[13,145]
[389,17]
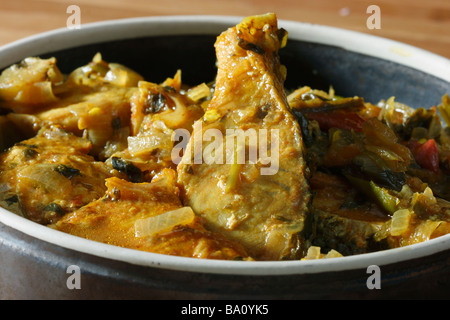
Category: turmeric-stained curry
[237,169]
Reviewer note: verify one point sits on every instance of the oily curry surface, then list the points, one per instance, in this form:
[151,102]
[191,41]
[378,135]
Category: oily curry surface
[236,169]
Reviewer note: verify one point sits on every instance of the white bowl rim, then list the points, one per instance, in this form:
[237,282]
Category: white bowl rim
[110,30]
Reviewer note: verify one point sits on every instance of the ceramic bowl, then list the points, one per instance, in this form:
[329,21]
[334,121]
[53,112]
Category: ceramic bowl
[35,261]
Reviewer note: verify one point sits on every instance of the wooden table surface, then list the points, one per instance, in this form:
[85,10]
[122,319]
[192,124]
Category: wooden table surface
[425,24]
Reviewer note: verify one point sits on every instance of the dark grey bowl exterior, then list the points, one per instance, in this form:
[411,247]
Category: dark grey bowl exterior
[34,269]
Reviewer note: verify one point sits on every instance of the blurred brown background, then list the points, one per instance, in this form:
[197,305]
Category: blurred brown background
[425,24]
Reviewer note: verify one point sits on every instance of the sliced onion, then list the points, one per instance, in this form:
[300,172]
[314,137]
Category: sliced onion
[425,230]
[122,76]
[400,222]
[163,222]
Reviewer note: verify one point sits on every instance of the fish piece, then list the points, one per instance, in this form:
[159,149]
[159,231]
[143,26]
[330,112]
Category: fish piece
[117,219]
[262,201]
[44,177]
[342,219]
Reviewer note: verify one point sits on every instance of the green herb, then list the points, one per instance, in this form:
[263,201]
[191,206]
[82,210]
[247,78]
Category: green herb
[374,168]
[116,123]
[154,103]
[282,35]
[67,171]
[29,153]
[21,144]
[387,201]
[54,208]
[421,118]
[12,200]
[133,172]
[380,195]
[169,89]
[244,44]
[263,110]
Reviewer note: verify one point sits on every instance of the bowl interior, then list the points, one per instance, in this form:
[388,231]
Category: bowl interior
[316,65]
[308,62]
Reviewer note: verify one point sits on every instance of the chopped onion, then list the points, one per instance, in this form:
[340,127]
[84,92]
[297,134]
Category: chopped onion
[211,115]
[444,109]
[400,222]
[313,253]
[199,92]
[430,198]
[163,222]
[234,173]
[333,254]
